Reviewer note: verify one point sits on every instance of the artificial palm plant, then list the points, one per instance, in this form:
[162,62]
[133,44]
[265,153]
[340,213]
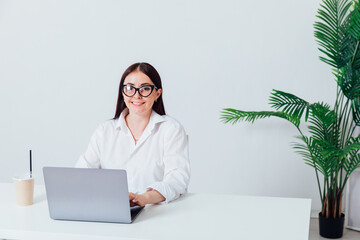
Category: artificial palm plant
[329,144]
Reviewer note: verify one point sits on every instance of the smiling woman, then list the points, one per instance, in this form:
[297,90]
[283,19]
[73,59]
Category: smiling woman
[151,146]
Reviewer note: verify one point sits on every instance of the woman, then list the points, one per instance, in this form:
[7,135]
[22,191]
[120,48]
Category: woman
[151,146]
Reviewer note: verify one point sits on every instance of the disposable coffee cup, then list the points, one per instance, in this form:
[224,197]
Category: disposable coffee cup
[24,187]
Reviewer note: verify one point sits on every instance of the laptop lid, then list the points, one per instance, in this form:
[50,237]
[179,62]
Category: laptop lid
[80,194]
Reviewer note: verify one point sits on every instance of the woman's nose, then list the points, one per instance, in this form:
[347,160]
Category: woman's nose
[137,94]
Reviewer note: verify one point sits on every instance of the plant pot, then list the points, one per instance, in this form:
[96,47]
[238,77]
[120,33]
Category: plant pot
[331,227]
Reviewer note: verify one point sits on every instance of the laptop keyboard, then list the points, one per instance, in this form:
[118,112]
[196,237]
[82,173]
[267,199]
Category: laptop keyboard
[135,211]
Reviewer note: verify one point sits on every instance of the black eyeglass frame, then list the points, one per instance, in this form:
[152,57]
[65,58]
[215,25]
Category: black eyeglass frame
[138,89]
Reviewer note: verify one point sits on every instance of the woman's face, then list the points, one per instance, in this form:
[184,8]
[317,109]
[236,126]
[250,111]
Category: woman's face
[138,104]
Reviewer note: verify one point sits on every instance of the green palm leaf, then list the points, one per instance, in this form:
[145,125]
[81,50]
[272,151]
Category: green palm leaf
[354,28]
[355,107]
[313,154]
[349,81]
[351,163]
[351,155]
[349,149]
[323,122]
[230,115]
[347,43]
[341,154]
[290,104]
[329,32]
[349,74]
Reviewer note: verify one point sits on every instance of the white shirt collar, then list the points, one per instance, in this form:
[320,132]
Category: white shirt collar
[154,119]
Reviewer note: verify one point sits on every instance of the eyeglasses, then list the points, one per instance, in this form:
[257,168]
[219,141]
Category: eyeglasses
[144,91]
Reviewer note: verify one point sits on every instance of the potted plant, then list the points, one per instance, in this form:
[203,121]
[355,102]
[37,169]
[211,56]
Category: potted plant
[329,144]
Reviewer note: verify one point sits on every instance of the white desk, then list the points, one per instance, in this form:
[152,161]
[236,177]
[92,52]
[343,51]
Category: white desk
[194,216]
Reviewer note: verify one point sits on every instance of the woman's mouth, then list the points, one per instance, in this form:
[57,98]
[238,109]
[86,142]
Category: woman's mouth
[137,103]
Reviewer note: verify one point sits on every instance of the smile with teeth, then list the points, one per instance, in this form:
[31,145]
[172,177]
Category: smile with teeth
[137,103]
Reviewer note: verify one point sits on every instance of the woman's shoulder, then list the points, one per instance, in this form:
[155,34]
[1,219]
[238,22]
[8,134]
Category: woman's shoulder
[107,125]
[171,123]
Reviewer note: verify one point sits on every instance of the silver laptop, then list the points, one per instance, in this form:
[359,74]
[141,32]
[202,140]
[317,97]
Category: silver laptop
[96,195]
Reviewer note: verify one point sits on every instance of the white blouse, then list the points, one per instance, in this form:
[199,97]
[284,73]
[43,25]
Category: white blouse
[159,160]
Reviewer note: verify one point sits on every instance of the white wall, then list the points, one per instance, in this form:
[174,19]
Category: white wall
[61,61]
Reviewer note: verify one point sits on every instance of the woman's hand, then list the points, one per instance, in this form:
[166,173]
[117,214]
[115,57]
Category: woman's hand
[138,199]
[149,197]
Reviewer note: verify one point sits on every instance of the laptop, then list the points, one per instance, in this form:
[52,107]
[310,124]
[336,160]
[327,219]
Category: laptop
[87,194]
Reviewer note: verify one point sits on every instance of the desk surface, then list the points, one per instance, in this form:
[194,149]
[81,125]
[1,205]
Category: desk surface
[193,216]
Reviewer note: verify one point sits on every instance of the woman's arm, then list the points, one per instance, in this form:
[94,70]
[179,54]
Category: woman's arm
[176,164]
[91,157]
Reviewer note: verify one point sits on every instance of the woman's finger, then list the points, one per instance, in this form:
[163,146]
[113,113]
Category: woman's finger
[131,196]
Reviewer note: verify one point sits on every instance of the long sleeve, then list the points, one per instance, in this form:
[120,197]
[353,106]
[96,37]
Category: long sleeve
[177,165]
[91,157]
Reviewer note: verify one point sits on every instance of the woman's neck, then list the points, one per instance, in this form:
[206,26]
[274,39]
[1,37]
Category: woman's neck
[138,119]
[137,124]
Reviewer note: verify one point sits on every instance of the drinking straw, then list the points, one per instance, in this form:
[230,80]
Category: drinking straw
[30,165]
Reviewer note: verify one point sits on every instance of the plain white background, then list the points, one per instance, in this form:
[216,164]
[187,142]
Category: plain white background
[61,61]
